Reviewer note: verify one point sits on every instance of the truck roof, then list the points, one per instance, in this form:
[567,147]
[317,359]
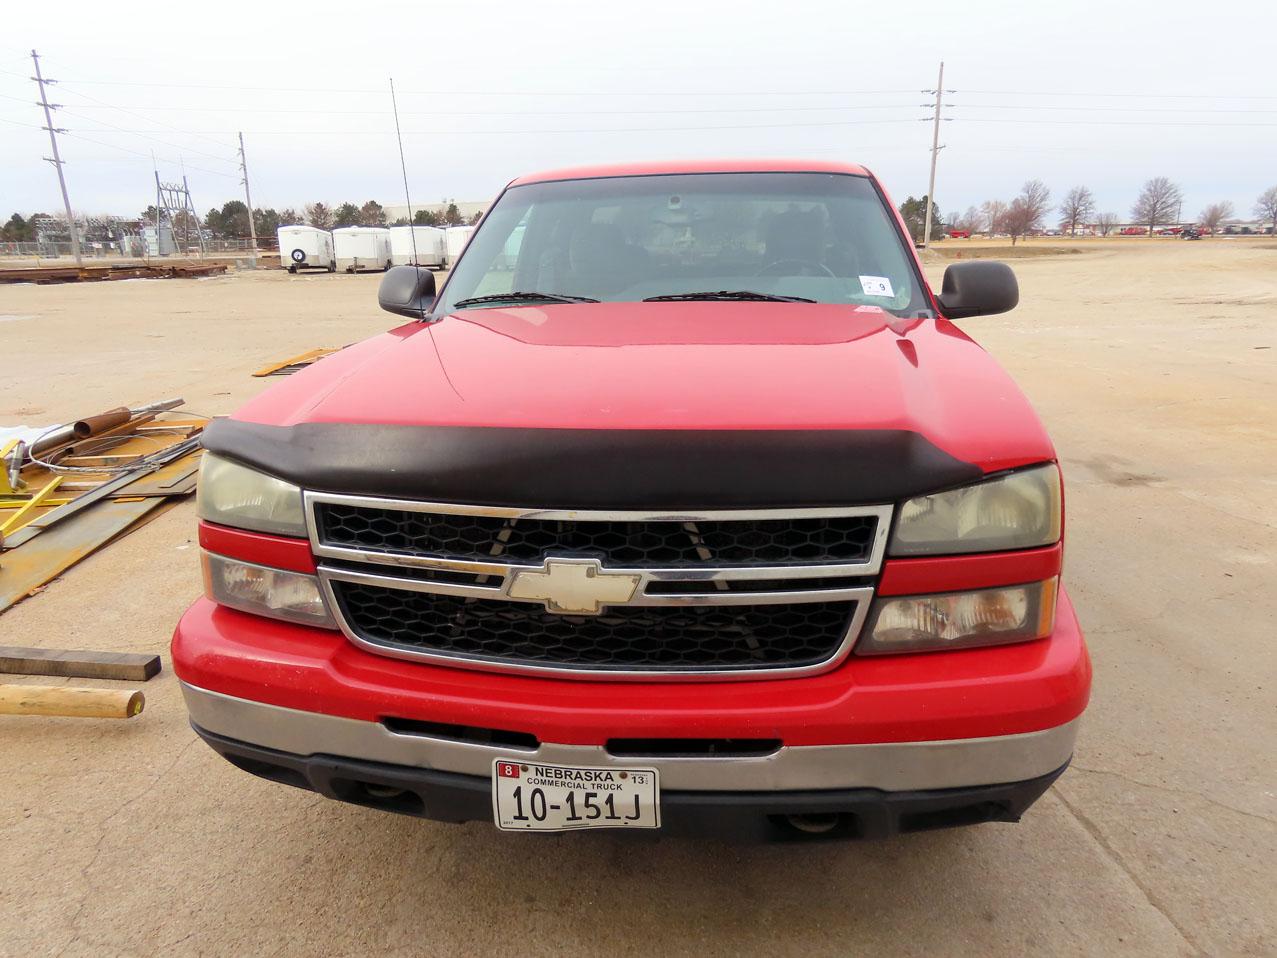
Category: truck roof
[693,166]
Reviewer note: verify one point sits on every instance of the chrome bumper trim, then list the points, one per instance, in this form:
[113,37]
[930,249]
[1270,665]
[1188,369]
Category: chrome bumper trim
[892,766]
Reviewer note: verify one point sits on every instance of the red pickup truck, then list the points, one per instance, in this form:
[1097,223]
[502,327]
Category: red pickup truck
[683,505]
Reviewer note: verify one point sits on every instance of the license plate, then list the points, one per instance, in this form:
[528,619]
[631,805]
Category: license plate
[533,797]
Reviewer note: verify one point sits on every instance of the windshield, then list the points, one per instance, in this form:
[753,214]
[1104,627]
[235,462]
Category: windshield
[826,238]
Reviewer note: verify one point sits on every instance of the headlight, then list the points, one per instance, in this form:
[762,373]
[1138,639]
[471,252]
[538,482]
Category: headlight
[277,593]
[960,620]
[234,495]
[1018,511]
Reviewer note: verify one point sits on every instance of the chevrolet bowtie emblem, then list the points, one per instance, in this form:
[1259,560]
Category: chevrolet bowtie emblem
[573,586]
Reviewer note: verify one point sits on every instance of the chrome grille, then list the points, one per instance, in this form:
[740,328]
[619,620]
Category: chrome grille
[671,542]
[664,638]
[728,594]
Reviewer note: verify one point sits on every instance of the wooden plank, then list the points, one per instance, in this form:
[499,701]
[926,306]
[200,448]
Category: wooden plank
[302,359]
[70,702]
[79,663]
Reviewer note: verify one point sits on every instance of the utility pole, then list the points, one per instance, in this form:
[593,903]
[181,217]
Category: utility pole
[935,118]
[56,159]
[248,197]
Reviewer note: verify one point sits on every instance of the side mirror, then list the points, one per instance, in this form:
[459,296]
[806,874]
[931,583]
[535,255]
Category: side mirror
[978,289]
[407,291]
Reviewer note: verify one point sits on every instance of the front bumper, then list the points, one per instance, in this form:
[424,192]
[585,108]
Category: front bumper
[882,744]
[885,766]
[747,815]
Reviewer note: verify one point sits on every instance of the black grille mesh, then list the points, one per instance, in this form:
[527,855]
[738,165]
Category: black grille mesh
[641,544]
[644,638]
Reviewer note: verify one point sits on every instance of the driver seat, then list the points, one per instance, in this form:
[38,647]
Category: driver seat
[795,236]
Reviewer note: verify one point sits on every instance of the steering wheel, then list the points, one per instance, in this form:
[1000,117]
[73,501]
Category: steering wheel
[817,268]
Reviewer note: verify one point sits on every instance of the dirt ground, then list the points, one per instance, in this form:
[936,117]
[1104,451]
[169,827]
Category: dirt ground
[1154,367]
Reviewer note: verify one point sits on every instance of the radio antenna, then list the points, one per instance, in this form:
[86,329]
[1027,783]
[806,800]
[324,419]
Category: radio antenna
[403,165]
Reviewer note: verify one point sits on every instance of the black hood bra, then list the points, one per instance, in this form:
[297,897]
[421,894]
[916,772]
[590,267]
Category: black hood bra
[631,469]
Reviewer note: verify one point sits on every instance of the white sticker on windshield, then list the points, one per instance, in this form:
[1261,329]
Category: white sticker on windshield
[876,286]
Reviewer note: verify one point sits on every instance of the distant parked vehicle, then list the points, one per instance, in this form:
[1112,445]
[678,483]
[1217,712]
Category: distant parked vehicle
[1190,233]
[1133,231]
[305,247]
[959,234]
[362,247]
[457,237]
[430,248]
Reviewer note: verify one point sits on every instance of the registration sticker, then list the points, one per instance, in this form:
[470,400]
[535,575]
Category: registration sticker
[876,286]
[535,797]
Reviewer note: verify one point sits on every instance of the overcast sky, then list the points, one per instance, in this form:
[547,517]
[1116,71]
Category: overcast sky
[1104,94]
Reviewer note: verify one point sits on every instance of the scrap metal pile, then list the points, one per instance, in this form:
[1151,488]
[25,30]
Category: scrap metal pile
[84,274]
[67,490]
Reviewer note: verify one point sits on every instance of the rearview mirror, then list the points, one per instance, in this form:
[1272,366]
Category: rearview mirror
[407,291]
[978,289]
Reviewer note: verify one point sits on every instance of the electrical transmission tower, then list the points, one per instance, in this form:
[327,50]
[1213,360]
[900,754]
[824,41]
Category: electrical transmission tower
[56,159]
[173,203]
[935,119]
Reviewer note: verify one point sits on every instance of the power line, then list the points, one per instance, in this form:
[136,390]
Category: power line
[754,109]
[680,93]
[537,131]
[698,110]
[644,93]
[1035,107]
[1187,123]
[109,106]
[144,135]
[148,156]
[1139,96]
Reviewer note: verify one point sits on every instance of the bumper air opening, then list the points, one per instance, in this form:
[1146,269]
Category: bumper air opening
[470,734]
[816,826]
[975,814]
[268,770]
[374,795]
[692,747]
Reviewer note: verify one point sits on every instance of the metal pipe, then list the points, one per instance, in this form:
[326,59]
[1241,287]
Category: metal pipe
[84,428]
[16,457]
[162,406]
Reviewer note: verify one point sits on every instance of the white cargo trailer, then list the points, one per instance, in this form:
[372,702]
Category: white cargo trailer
[457,237]
[302,247]
[431,249]
[362,247]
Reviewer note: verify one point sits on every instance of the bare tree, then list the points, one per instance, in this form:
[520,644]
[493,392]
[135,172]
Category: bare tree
[1025,213]
[1106,223]
[971,221]
[1078,204]
[1037,200]
[1018,219]
[1157,204]
[993,211]
[1215,214]
[319,215]
[1266,207]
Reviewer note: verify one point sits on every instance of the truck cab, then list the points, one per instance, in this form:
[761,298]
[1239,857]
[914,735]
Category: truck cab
[684,506]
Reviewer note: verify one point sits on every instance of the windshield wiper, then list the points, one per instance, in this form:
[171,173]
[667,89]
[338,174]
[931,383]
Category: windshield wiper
[522,298]
[725,294]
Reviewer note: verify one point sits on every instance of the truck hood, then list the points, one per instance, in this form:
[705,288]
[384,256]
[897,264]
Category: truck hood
[699,366]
